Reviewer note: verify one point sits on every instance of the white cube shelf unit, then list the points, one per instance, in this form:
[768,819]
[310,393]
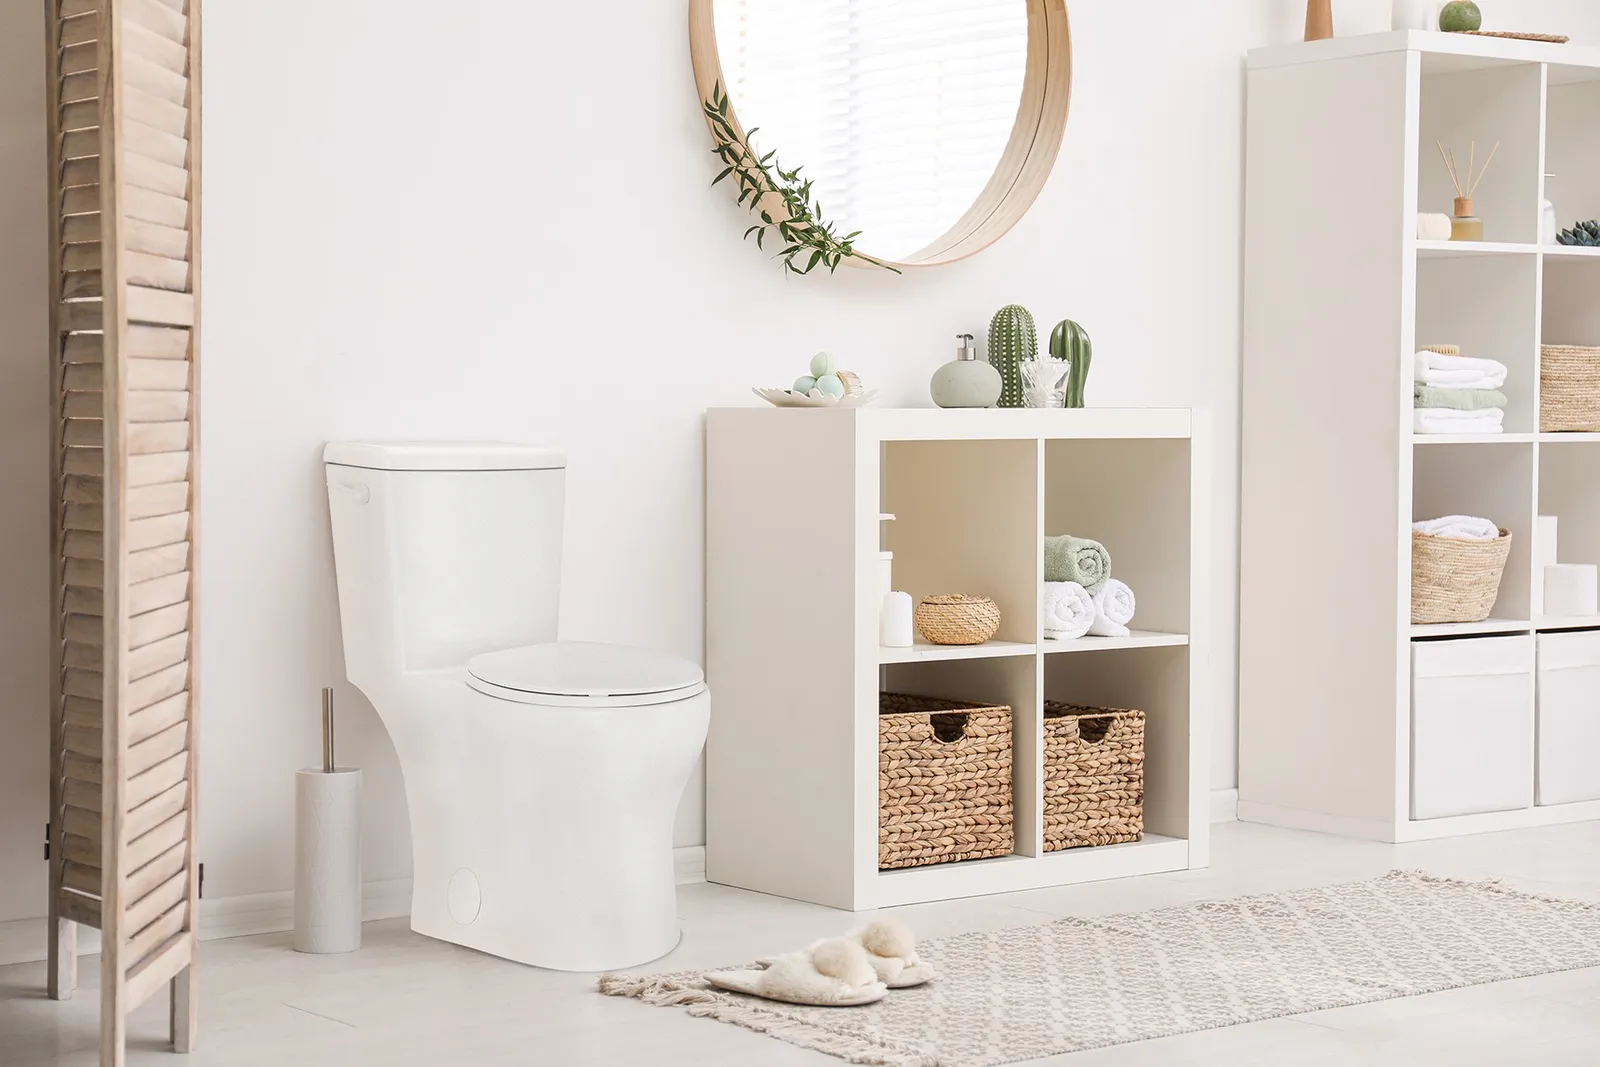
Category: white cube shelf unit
[1339,293]
[793,499]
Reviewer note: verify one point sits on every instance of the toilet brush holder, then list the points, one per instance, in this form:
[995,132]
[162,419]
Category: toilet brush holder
[327,868]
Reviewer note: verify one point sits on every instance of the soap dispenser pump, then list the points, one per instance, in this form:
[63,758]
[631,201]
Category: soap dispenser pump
[967,382]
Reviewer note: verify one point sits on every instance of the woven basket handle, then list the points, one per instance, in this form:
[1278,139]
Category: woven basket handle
[949,727]
[1093,729]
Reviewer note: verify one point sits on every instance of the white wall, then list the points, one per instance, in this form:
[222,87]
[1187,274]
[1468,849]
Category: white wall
[495,220]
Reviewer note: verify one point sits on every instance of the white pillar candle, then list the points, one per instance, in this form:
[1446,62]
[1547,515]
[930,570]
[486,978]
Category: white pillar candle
[895,624]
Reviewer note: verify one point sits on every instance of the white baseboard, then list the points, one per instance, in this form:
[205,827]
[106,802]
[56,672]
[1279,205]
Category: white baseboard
[23,940]
[1224,805]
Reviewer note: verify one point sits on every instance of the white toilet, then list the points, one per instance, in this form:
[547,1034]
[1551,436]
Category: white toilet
[542,778]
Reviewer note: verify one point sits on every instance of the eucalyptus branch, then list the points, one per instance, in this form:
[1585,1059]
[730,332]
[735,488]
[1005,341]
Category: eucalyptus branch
[780,197]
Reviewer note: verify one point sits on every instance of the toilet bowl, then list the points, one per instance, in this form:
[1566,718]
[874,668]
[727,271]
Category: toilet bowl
[542,778]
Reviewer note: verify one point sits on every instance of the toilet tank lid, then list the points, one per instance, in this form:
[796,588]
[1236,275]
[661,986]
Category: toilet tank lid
[584,669]
[443,456]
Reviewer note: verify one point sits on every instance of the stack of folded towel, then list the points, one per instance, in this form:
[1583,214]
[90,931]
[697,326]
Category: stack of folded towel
[1454,394]
[1080,596]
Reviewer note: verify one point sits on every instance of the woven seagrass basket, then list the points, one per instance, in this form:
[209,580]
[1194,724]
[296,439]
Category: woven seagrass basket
[1093,776]
[944,781]
[1454,579]
[1569,389]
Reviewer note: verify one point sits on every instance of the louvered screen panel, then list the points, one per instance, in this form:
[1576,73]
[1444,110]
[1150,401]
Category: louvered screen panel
[124,112]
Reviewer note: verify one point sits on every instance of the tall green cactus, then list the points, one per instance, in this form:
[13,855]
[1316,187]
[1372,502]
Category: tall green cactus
[1012,338]
[1070,342]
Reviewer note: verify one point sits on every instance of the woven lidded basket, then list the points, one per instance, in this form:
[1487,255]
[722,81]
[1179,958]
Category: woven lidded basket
[958,619]
[1569,389]
[1093,776]
[944,781]
[1454,579]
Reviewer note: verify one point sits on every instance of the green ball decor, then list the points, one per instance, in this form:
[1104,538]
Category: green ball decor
[1460,16]
[1013,337]
[823,363]
[804,384]
[830,385]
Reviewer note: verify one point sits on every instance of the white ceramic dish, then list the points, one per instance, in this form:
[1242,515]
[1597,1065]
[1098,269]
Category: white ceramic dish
[788,398]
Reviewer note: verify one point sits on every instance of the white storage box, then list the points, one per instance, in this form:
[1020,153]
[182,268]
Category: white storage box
[1471,726]
[1569,717]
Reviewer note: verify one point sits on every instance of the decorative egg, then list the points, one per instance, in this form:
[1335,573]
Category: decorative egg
[804,384]
[1460,16]
[822,364]
[830,385]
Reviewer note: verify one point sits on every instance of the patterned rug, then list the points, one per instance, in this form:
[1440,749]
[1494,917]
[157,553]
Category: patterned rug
[1027,992]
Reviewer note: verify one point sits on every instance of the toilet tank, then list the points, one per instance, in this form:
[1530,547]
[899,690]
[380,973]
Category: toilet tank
[443,551]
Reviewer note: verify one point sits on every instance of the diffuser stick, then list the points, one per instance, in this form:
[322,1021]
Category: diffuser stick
[327,730]
[1485,169]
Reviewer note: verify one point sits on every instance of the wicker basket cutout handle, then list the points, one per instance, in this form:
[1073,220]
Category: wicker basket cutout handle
[1093,729]
[949,728]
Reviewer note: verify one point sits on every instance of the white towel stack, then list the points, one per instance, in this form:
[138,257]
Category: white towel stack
[1460,527]
[1070,612]
[1458,372]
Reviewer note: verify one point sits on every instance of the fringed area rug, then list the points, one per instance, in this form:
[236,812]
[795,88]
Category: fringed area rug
[1028,992]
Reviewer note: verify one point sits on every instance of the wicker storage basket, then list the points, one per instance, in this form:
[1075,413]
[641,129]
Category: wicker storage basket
[944,781]
[1093,776]
[1569,389]
[1455,580]
[958,619]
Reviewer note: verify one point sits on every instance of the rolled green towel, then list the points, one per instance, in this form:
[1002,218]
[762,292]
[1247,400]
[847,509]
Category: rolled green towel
[1437,396]
[1077,559]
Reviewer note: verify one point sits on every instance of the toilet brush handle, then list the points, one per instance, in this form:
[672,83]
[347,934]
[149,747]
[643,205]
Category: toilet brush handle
[327,730]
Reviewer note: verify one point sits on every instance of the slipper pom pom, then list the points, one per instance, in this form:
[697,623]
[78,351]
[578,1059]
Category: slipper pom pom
[889,937]
[844,959]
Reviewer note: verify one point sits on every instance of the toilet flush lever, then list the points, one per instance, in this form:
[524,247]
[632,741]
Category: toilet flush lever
[359,490]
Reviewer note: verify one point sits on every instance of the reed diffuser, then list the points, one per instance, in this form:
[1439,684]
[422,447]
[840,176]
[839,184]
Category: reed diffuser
[1465,224]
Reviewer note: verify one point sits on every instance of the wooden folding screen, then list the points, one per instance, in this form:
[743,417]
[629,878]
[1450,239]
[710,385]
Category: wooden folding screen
[124,138]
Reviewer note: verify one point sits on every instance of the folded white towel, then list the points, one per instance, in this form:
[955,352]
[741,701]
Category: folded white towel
[1113,610]
[1459,372]
[1453,420]
[1464,527]
[1068,610]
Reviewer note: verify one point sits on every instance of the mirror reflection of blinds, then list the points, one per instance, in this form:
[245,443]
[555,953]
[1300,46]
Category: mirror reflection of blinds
[898,110]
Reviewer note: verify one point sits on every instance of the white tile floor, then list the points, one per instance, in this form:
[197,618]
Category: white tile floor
[405,1000]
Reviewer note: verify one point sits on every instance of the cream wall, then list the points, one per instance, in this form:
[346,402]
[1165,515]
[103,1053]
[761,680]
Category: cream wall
[494,220]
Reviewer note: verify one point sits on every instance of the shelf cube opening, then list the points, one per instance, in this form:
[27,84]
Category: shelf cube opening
[966,521]
[1011,681]
[1489,307]
[1486,106]
[1156,682]
[1133,497]
[1572,146]
[1569,490]
[1494,482]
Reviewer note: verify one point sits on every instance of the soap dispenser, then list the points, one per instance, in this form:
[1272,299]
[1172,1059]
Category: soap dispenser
[967,382]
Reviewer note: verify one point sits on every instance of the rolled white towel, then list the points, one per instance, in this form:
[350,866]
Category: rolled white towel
[1113,610]
[1454,420]
[1459,372]
[1463,527]
[1068,611]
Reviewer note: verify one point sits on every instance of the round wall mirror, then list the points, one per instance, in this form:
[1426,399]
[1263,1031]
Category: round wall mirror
[929,126]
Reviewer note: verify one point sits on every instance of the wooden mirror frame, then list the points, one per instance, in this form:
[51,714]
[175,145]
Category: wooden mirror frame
[1024,166]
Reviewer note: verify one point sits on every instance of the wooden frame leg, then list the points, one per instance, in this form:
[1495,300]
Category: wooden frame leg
[62,976]
[185,1001]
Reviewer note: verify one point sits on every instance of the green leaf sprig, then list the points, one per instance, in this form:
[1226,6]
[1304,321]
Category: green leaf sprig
[782,199]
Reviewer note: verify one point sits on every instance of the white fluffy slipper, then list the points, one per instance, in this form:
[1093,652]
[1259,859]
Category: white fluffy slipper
[836,972]
[891,949]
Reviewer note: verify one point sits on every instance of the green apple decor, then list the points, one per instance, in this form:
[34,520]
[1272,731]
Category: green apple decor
[1460,16]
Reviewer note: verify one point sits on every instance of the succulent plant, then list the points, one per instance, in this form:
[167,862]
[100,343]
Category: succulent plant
[1586,234]
[1013,337]
[1070,342]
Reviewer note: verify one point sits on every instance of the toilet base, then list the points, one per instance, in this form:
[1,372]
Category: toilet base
[544,835]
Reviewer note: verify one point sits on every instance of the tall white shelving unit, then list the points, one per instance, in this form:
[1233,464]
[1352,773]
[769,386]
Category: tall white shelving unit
[793,499]
[1338,294]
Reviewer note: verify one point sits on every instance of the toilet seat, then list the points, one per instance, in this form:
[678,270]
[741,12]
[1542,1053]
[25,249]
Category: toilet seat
[577,674]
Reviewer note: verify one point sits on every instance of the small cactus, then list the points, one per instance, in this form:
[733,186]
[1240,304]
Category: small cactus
[1070,342]
[1584,234]
[1013,337]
